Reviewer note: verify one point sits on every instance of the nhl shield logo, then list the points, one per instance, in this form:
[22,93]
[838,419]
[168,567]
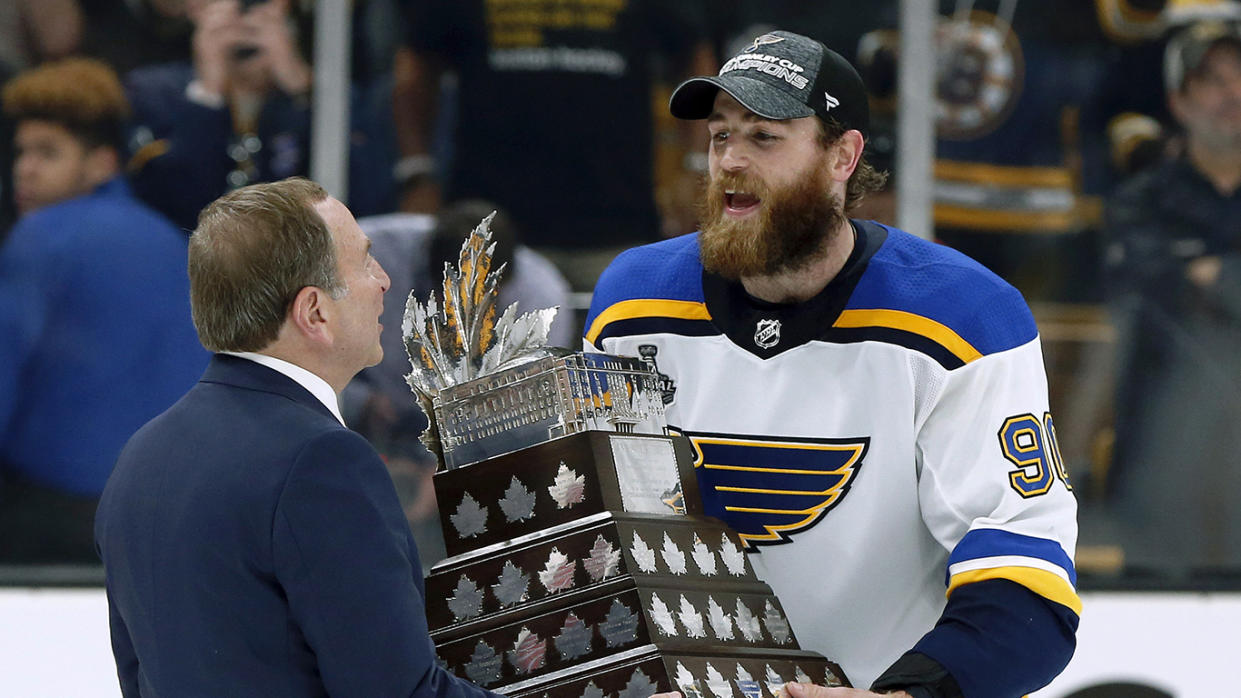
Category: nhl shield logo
[767,333]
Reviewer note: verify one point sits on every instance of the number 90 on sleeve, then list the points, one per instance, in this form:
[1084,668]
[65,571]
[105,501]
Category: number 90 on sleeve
[1031,446]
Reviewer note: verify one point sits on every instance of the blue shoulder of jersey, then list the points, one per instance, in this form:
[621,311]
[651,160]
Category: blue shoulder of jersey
[936,291]
[662,278]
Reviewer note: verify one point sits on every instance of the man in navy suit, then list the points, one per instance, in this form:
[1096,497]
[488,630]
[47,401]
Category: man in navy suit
[254,545]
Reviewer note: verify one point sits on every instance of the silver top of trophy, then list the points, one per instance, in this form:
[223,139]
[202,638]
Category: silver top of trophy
[491,386]
[462,339]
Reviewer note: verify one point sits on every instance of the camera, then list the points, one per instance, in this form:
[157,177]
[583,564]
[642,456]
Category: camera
[246,51]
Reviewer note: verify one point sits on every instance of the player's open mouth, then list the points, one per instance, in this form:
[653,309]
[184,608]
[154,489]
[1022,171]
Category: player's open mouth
[740,203]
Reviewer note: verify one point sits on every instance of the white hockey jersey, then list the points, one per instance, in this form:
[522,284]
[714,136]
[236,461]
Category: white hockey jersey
[874,446]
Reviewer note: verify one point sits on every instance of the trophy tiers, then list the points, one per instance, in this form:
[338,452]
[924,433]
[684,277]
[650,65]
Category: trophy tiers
[581,568]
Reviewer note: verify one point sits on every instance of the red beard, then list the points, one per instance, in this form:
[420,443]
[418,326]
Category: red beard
[793,225]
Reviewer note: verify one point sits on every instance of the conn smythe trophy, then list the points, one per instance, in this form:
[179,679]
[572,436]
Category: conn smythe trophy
[580,564]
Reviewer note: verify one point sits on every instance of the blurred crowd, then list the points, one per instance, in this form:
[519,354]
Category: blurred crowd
[1088,151]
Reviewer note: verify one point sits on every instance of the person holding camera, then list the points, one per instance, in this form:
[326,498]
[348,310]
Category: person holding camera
[237,114]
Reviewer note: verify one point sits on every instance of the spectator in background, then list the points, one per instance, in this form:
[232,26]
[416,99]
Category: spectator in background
[1174,260]
[31,31]
[526,75]
[239,114]
[95,331]
[413,248]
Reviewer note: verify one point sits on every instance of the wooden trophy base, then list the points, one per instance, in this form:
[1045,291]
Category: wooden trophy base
[587,597]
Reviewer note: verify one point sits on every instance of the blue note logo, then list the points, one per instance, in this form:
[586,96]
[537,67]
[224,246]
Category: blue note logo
[764,40]
[768,489]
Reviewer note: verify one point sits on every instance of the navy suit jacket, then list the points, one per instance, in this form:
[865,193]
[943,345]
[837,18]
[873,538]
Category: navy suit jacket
[254,546]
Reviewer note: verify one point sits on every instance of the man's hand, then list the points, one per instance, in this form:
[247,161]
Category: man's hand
[267,26]
[217,31]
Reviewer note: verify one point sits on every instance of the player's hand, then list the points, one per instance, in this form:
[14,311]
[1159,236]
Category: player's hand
[806,690]
[669,694]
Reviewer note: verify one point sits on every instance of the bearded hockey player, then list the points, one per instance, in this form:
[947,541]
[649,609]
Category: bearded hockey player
[868,410]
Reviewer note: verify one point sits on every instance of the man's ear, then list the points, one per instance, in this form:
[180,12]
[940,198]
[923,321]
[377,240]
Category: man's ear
[844,155]
[309,314]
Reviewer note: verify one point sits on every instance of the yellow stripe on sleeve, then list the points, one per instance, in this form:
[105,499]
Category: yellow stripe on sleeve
[909,322]
[1046,584]
[646,307]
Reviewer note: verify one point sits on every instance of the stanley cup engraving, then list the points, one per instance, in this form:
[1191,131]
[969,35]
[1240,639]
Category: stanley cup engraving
[545,398]
[580,563]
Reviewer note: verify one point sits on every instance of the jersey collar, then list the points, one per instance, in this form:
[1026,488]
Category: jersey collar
[767,329]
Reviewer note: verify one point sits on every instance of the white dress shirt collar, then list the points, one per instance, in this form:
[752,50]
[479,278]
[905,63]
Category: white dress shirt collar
[316,385]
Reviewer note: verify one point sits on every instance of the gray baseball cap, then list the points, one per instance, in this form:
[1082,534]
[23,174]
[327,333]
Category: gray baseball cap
[1188,47]
[782,75]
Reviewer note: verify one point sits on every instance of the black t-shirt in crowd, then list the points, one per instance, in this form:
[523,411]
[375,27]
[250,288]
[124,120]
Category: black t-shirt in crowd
[554,112]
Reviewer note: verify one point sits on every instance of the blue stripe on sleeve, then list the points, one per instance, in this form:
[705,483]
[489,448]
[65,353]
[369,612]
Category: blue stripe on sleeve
[992,542]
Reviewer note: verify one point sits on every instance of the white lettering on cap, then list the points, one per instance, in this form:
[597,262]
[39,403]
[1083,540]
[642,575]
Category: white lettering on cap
[781,68]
